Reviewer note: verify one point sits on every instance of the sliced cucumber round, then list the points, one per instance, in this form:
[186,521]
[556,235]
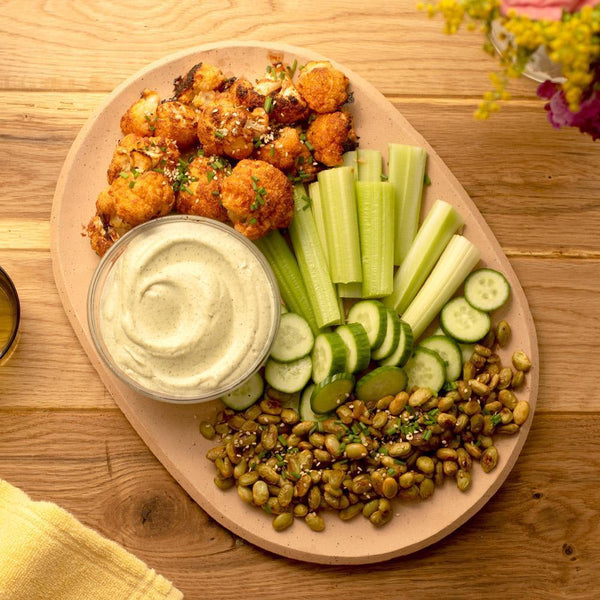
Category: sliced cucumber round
[372,315]
[294,338]
[331,392]
[486,289]
[404,348]
[449,352]
[288,377]
[246,395]
[328,356]
[462,322]
[425,369]
[305,410]
[358,350]
[392,336]
[381,382]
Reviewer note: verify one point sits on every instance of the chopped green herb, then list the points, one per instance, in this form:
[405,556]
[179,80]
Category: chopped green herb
[282,440]
[210,175]
[426,179]
[391,471]
[292,71]
[427,434]
[219,134]
[268,105]
[252,221]
[123,174]
[383,177]
[216,193]
[496,419]
[131,184]
[272,150]
[309,145]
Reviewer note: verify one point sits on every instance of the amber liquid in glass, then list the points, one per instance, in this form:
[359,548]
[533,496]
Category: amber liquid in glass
[8,315]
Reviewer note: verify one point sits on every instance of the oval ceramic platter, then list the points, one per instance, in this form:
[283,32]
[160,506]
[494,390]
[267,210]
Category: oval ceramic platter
[171,431]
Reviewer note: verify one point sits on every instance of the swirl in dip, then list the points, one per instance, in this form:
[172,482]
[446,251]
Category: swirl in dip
[189,309]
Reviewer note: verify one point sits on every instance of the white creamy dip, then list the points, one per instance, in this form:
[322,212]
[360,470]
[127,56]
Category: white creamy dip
[188,309]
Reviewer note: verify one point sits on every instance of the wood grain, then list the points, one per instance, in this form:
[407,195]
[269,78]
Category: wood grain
[400,48]
[64,440]
[538,531]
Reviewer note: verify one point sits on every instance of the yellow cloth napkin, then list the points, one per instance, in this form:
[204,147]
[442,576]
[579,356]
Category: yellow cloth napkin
[47,554]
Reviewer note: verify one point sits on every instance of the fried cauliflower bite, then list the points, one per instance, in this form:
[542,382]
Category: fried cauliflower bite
[242,93]
[201,195]
[136,153]
[178,122]
[322,86]
[331,135]
[130,200]
[283,151]
[141,115]
[230,130]
[258,197]
[199,83]
[288,106]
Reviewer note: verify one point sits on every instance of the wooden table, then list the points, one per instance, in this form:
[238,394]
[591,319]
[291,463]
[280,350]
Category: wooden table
[63,438]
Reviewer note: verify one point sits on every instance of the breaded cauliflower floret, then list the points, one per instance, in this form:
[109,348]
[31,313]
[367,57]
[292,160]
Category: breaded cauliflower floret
[230,130]
[201,195]
[178,122]
[130,200]
[200,80]
[322,86]
[242,93]
[331,135]
[133,200]
[283,151]
[141,115]
[102,235]
[258,197]
[136,153]
[288,106]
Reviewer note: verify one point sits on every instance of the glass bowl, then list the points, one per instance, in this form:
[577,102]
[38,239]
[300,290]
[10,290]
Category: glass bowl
[183,309]
[10,316]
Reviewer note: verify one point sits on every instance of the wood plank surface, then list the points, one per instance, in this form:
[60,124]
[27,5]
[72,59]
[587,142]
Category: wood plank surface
[63,437]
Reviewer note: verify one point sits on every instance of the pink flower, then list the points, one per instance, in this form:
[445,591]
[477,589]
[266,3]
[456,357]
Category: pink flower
[550,10]
[587,118]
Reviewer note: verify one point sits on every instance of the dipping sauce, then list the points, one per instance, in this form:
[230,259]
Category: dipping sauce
[189,309]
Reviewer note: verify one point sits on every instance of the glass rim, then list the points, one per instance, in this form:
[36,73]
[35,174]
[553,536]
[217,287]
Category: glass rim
[109,260]
[13,296]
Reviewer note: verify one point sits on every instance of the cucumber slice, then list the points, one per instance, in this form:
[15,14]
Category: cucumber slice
[466,351]
[328,356]
[358,351]
[392,336]
[294,338]
[246,395]
[404,348]
[381,382]
[448,351]
[486,289]
[372,315]
[331,392]
[425,369]
[461,321]
[288,377]
[306,411]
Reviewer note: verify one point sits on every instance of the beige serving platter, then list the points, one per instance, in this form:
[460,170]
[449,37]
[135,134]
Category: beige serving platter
[171,431]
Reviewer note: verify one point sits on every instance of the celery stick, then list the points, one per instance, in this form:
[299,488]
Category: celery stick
[439,226]
[406,171]
[350,290]
[455,263]
[289,280]
[350,159]
[317,208]
[370,165]
[341,224]
[375,202]
[312,263]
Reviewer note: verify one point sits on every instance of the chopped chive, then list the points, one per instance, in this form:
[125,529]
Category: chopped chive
[123,174]
[272,150]
[268,105]
[427,434]
[219,134]
[391,471]
[252,221]
[426,179]
[282,440]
